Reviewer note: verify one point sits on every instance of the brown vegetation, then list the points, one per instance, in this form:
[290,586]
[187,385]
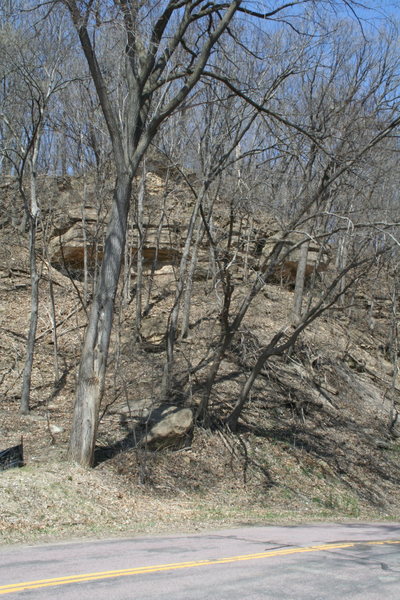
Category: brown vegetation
[315,440]
[199,280]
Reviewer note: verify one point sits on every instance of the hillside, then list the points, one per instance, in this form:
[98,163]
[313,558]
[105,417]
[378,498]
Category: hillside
[316,440]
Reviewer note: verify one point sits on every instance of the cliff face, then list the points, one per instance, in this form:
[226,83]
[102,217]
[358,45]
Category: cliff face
[78,213]
[319,434]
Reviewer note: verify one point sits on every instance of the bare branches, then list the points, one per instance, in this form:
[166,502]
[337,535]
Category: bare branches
[80,22]
[197,69]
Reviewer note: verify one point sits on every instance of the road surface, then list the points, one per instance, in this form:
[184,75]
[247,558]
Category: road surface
[315,562]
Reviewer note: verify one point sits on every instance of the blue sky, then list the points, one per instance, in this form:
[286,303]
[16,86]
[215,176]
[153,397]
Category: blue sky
[386,7]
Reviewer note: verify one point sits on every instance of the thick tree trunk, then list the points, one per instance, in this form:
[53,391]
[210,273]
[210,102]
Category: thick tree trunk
[92,369]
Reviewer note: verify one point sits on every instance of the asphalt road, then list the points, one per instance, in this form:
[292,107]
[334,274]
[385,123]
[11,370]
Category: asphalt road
[316,562]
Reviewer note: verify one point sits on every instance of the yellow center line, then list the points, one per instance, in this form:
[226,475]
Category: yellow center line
[42,583]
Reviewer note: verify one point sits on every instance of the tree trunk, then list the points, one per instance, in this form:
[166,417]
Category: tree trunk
[32,214]
[30,347]
[232,420]
[85,246]
[154,263]
[189,283]
[300,282]
[139,255]
[92,369]
[228,332]
[173,320]
[394,352]
[54,332]
[341,259]
[247,250]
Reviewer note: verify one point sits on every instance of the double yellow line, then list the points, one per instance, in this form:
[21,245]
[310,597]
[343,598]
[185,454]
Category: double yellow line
[43,583]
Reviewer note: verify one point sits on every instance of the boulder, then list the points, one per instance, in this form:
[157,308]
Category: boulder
[171,429]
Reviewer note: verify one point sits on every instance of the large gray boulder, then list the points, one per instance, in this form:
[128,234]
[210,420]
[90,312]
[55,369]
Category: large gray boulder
[171,429]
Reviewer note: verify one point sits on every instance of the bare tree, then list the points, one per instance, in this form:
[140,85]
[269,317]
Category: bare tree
[155,87]
[357,113]
[286,338]
[219,126]
[144,61]
[36,80]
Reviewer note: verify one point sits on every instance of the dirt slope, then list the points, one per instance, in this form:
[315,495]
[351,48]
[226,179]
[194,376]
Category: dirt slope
[314,441]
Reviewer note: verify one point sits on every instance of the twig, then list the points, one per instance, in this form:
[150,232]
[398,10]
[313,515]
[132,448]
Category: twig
[57,325]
